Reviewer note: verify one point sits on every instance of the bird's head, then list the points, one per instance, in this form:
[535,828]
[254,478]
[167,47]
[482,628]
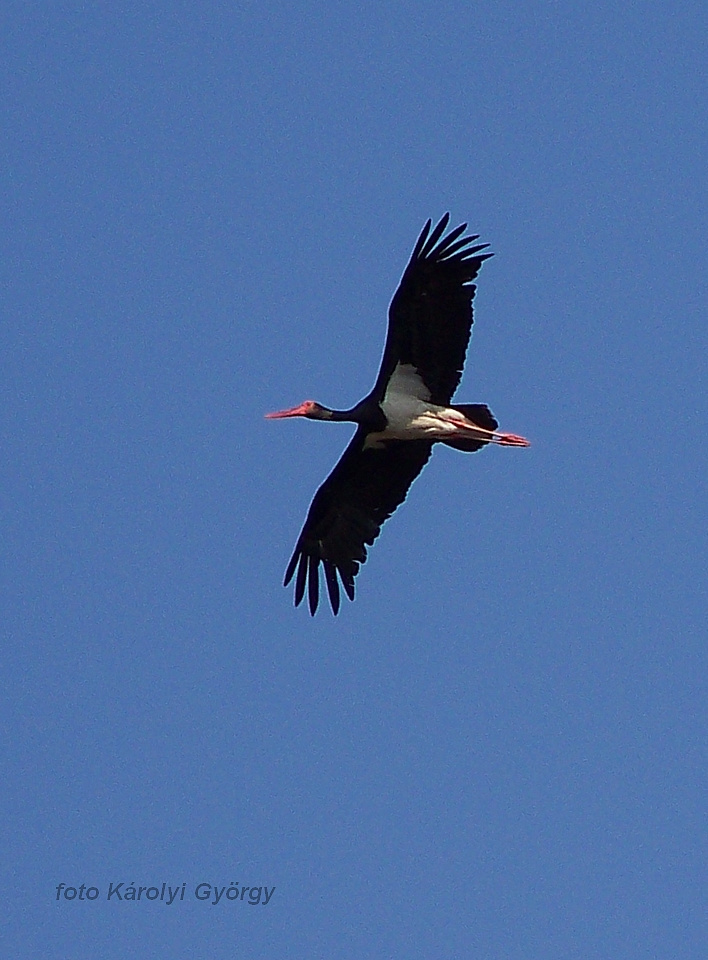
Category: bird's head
[309,408]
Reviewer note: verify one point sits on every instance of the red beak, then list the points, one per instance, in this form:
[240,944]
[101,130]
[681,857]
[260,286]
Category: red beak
[300,411]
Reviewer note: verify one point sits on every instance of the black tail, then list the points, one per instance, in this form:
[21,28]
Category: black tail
[480,414]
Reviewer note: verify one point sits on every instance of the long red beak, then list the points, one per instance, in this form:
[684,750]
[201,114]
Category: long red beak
[300,411]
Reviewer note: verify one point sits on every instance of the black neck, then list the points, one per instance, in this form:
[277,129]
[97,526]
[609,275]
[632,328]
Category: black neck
[368,413]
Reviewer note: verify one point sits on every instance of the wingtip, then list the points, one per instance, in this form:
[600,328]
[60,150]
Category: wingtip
[313,586]
[420,242]
[437,233]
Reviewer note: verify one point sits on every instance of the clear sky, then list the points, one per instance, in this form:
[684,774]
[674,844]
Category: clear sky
[499,750]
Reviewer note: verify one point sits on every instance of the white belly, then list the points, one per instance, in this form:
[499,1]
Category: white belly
[416,420]
[411,416]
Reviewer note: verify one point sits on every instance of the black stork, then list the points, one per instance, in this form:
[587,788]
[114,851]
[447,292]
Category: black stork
[409,409]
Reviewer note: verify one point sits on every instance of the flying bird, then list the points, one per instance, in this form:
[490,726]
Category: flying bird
[408,410]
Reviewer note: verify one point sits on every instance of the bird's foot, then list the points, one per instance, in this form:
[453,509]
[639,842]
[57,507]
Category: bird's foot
[511,440]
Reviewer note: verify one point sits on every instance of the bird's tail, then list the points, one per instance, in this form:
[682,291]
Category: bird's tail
[479,414]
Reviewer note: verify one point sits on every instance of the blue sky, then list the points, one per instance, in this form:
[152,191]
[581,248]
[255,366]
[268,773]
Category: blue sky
[498,750]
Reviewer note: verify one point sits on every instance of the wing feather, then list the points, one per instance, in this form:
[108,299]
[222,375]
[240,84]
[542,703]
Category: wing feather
[430,317]
[347,514]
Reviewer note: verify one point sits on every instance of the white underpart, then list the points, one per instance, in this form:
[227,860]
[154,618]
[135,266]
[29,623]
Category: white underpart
[411,416]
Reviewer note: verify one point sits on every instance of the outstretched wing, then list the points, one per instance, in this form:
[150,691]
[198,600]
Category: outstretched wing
[348,512]
[430,317]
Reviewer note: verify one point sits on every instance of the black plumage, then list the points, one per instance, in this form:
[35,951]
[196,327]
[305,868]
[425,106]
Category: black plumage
[430,319]
[348,511]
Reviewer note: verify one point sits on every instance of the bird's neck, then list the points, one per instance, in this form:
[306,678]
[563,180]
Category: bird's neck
[343,416]
[368,413]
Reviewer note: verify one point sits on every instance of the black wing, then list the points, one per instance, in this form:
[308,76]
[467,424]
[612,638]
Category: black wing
[348,512]
[430,317]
